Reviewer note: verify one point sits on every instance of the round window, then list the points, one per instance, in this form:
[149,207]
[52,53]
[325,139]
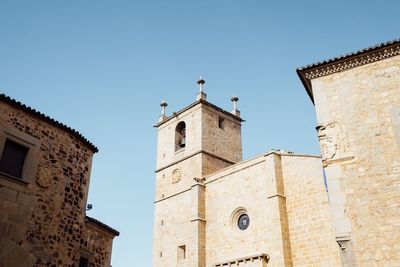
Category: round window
[243,221]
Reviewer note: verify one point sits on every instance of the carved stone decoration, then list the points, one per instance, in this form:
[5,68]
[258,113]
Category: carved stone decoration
[176,176]
[199,180]
[333,140]
[43,178]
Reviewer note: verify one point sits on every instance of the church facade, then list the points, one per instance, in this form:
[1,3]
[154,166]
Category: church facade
[212,208]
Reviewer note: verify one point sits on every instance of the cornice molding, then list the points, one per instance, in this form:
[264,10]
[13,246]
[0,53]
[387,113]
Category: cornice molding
[201,101]
[192,155]
[353,62]
[345,62]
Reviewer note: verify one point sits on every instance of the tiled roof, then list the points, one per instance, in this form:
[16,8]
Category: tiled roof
[48,119]
[102,225]
[347,61]
[347,55]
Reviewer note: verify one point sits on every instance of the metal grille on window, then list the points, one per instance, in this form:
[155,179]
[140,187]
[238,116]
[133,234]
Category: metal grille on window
[243,222]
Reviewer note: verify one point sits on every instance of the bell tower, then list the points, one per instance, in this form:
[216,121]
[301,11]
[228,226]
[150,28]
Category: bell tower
[193,142]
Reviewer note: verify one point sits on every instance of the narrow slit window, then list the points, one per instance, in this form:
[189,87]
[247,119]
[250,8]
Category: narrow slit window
[221,123]
[13,158]
[181,253]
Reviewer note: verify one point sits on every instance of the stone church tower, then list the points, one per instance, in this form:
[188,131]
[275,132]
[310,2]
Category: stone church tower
[284,209]
[213,209]
[195,141]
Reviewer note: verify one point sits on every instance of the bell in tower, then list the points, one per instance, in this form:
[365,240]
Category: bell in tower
[180,136]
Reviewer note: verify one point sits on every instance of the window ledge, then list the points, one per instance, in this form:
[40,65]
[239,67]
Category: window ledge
[13,182]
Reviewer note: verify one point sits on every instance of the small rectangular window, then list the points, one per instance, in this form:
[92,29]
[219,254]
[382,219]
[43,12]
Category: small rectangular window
[13,158]
[221,123]
[83,262]
[181,253]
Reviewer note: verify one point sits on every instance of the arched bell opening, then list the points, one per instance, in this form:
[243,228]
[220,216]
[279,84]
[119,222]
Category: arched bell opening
[180,136]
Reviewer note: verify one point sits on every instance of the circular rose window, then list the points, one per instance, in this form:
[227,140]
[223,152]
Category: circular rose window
[243,221]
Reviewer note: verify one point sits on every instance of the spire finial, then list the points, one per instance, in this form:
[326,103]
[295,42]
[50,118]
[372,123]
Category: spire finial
[201,95]
[235,99]
[163,105]
[201,82]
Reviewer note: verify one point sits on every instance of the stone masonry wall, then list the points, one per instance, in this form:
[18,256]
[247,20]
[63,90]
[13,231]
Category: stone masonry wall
[286,201]
[225,142]
[243,186]
[166,153]
[239,186]
[98,244]
[312,237]
[173,228]
[179,197]
[42,222]
[359,111]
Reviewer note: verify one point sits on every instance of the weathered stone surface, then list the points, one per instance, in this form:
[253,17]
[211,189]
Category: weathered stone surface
[295,216]
[42,221]
[200,210]
[364,175]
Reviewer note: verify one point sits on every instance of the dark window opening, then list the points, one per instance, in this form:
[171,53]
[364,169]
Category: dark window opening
[83,262]
[180,136]
[243,221]
[221,123]
[13,158]
[181,253]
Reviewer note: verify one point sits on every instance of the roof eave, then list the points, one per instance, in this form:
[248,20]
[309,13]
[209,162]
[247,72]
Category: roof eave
[346,61]
[307,85]
[38,114]
[201,101]
[102,225]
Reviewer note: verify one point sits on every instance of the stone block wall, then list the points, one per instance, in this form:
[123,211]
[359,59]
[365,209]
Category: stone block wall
[242,186]
[358,112]
[97,244]
[311,231]
[179,198]
[285,198]
[166,152]
[173,228]
[225,142]
[42,220]
[178,177]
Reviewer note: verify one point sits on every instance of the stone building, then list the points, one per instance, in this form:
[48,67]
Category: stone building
[212,208]
[44,181]
[357,102]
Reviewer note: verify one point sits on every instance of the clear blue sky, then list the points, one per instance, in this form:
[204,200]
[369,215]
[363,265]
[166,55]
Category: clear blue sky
[102,67]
